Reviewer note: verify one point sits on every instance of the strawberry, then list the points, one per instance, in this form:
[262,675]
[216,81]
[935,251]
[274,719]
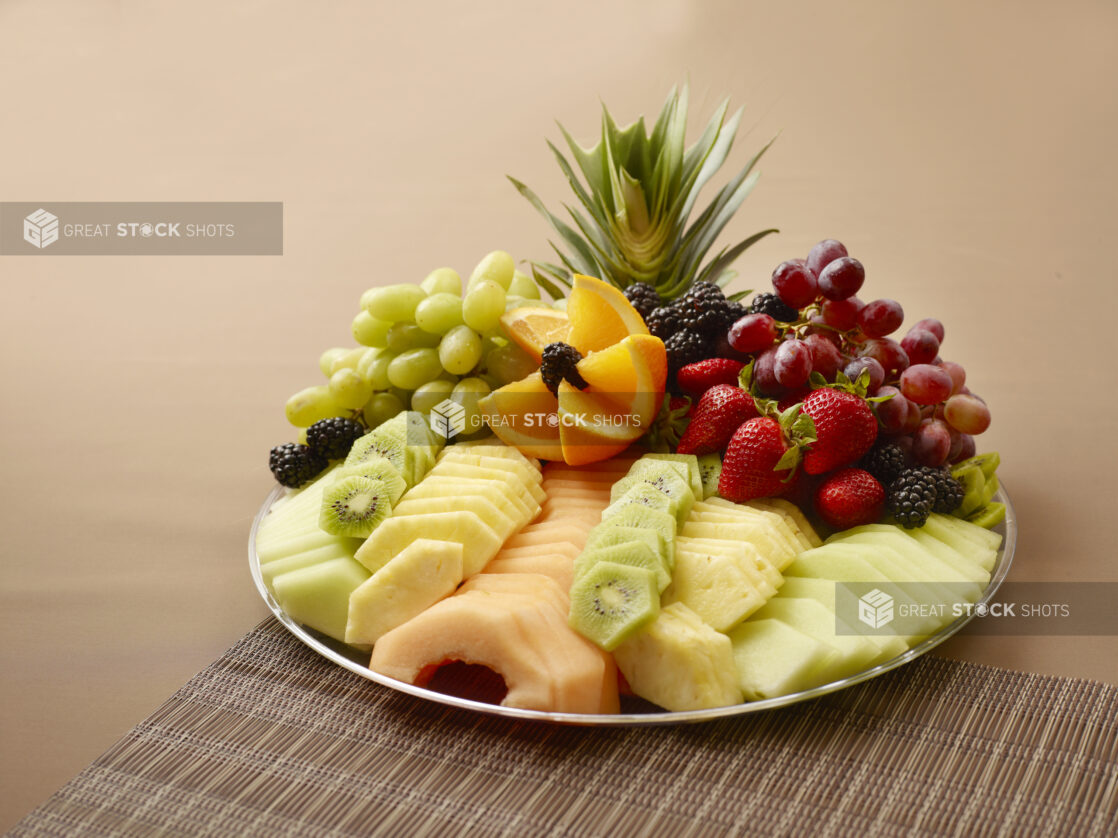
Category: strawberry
[695,379]
[850,497]
[749,467]
[845,429]
[719,413]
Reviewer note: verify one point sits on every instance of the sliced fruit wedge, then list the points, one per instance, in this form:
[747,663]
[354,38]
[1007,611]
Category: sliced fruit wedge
[533,328]
[600,315]
[518,415]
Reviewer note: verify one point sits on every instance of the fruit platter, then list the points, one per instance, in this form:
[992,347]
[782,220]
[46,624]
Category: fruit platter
[614,490]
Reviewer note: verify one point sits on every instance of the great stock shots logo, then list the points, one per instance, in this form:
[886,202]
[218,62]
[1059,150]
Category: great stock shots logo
[40,228]
[875,609]
[448,419]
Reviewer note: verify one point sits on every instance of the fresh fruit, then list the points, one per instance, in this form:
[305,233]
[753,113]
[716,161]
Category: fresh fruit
[354,506]
[332,438]
[611,602]
[639,193]
[750,465]
[710,470]
[532,329]
[318,595]
[845,429]
[633,553]
[380,470]
[680,663]
[841,278]
[719,413]
[665,480]
[293,465]
[850,497]
[600,315]
[559,362]
[696,379]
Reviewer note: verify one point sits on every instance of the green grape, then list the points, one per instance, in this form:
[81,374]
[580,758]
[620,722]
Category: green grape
[510,363]
[468,392]
[560,304]
[349,389]
[443,281]
[483,306]
[394,302]
[326,359]
[301,437]
[426,396]
[403,395]
[348,360]
[377,371]
[364,302]
[439,313]
[369,331]
[403,336]
[310,405]
[523,285]
[380,408]
[497,267]
[414,367]
[512,302]
[364,366]
[460,350]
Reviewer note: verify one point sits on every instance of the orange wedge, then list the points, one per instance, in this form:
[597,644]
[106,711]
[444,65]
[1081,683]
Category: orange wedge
[599,315]
[533,328]
[524,414]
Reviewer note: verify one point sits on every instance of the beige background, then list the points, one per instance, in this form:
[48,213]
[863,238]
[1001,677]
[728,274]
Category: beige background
[964,151]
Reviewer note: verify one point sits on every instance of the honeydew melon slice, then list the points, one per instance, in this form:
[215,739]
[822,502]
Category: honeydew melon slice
[774,659]
[318,596]
[412,581]
[718,588]
[680,663]
[269,571]
[495,490]
[856,653]
[823,592]
[301,543]
[915,553]
[449,468]
[394,535]
[971,540]
[962,562]
[485,508]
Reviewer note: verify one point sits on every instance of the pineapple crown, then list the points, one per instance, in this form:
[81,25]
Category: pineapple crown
[637,199]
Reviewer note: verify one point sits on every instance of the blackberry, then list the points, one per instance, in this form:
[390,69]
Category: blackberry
[293,465]
[559,361]
[774,307]
[911,497]
[663,322]
[704,308]
[949,491]
[885,462]
[686,347]
[643,297]
[332,438]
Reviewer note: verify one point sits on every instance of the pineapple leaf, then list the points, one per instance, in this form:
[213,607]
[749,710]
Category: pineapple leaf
[715,268]
[549,278]
[569,236]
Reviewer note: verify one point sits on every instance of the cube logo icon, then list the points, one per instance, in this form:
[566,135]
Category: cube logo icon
[448,419]
[875,609]
[40,229]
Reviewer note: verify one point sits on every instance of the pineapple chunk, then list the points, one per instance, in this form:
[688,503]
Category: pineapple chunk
[477,538]
[722,589]
[680,663]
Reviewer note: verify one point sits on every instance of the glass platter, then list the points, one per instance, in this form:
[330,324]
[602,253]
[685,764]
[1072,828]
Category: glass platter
[634,712]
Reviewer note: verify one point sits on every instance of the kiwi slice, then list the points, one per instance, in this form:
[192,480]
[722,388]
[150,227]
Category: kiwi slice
[987,462]
[668,483]
[988,516]
[990,489]
[689,472]
[378,468]
[390,442]
[974,482]
[645,494]
[609,534]
[354,506]
[612,601]
[642,517]
[710,469]
[635,553]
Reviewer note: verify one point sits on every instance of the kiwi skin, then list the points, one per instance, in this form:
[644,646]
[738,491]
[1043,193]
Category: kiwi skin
[339,518]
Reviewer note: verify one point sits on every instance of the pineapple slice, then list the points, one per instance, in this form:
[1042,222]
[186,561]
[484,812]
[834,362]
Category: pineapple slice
[394,535]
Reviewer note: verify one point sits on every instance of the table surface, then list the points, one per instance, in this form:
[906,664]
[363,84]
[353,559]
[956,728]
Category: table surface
[963,152]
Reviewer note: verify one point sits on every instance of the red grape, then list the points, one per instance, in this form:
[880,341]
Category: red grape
[842,314]
[931,442]
[958,375]
[914,418]
[823,254]
[921,346]
[877,372]
[842,278]
[966,450]
[764,375]
[967,414]
[825,356]
[932,325]
[926,384]
[752,333]
[893,413]
[795,284]
[886,352]
[792,363]
[880,318]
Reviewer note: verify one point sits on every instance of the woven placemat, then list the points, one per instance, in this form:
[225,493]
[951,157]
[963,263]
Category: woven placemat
[273,740]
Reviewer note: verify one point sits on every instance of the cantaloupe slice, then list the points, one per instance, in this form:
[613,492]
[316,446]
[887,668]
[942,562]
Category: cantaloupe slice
[558,566]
